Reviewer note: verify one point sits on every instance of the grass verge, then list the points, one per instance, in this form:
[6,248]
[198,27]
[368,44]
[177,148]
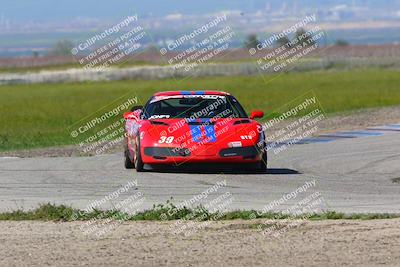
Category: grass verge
[162,212]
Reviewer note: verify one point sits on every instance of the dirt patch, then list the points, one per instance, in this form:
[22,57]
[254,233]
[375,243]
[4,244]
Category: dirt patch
[225,243]
[357,120]
[62,151]
[361,119]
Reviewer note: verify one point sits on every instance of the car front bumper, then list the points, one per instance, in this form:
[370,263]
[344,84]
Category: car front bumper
[170,155]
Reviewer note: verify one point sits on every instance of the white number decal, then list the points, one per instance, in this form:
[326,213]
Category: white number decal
[165,139]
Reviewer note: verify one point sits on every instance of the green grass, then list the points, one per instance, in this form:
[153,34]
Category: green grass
[396,180]
[40,115]
[50,212]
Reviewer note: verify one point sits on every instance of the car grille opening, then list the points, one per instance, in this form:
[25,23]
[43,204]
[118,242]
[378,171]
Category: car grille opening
[166,152]
[245,152]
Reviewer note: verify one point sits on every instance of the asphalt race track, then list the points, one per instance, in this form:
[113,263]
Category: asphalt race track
[351,174]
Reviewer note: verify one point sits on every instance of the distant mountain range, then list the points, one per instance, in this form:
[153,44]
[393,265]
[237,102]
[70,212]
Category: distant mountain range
[28,27]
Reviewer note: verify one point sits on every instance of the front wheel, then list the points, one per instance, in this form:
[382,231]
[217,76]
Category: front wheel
[128,162]
[262,167]
[139,165]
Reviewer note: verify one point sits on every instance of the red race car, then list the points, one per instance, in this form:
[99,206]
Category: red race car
[180,127]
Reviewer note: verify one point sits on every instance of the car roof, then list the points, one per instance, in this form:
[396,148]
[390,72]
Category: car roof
[171,93]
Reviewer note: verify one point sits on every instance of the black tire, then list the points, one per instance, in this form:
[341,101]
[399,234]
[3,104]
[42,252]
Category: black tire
[139,165]
[128,162]
[263,166]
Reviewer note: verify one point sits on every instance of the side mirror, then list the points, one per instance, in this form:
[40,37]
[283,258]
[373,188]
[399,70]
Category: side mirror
[256,114]
[134,114]
[130,115]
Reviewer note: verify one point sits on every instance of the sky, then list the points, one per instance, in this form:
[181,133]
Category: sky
[56,10]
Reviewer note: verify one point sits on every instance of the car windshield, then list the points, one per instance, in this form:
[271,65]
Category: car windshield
[193,106]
